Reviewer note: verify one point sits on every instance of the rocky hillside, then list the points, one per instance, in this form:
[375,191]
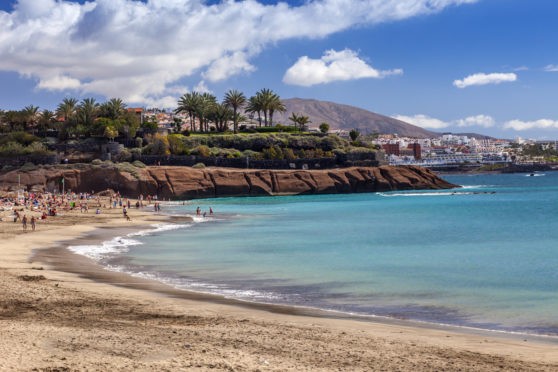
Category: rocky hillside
[348,117]
[190,183]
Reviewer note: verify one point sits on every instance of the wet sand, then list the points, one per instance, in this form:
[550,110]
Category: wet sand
[60,311]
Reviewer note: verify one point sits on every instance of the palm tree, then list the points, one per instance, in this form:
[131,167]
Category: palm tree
[299,120]
[187,103]
[266,98]
[302,121]
[204,106]
[13,119]
[46,120]
[88,111]
[30,115]
[67,108]
[255,106]
[236,100]
[220,115]
[294,118]
[275,104]
[113,109]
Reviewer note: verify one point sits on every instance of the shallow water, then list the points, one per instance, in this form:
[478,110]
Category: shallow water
[482,256]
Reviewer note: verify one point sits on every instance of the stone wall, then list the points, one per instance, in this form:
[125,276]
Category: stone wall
[248,163]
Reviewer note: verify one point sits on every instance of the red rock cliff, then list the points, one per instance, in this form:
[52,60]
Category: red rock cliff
[187,183]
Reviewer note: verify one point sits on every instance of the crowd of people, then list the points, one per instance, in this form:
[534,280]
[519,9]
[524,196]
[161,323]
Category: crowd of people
[28,208]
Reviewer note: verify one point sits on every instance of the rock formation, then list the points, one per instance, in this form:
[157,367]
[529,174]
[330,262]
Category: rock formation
[190,183]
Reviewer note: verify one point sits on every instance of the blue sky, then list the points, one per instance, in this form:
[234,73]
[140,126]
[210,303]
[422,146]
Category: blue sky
[402,59]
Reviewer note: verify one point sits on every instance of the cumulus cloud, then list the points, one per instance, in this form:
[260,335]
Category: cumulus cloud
[202,87]
[428,122]
[333,66]
[478,120]
[59,83]
[423,121]
[551,68]
[537,124]
[484,79]
[137,49]
[227,66]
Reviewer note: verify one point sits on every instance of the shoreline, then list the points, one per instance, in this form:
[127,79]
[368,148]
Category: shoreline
[490,346]
[61,258]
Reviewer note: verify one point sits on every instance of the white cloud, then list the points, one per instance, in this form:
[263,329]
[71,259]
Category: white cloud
[478,120]
[428,122]
[551,68]
[136,50]
[423,121]
[201,87]
[227,66]
[333,66]
[521,68]
[537,124]
[59,83]
[484,79]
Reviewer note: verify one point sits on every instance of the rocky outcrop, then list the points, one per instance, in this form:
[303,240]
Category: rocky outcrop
[190,183]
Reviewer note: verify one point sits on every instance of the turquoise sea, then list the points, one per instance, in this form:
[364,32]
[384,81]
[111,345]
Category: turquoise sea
[484,256]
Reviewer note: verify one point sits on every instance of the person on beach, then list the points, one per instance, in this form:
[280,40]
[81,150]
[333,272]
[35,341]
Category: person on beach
[210,211]
[198,211]
[124,211]
[33,222]
[24,221]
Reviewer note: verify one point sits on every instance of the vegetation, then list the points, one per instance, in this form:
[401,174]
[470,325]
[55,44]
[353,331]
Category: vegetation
[537,150]
[354,134]
[82,125]
[21,143]
[299,120]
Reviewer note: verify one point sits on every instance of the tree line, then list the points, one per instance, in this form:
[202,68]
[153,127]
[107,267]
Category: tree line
[74,118]
[205,108]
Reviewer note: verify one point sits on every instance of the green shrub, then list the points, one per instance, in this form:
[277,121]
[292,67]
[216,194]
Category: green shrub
[11,148]
[198,166]
[176,144]
[252,154]
[203,151]
[97,162]
[138,164]
[160,145]
[124,156]
[28,167]
[273,152]
[289,154]
[136,152]
[22,138]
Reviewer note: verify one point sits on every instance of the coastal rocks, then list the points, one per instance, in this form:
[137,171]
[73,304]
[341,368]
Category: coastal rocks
[190,183]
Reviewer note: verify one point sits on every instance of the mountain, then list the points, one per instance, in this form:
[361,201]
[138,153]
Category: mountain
[348,117]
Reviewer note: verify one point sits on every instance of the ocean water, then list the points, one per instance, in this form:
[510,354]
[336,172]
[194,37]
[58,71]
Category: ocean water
[483,256]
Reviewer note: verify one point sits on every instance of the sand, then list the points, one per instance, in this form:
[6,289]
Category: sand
[52,320]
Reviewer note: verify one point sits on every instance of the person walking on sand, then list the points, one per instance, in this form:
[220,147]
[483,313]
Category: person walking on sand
[33,221]
[125,211]
[24,221]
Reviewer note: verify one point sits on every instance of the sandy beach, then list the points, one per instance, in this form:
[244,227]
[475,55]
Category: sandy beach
[64,320]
